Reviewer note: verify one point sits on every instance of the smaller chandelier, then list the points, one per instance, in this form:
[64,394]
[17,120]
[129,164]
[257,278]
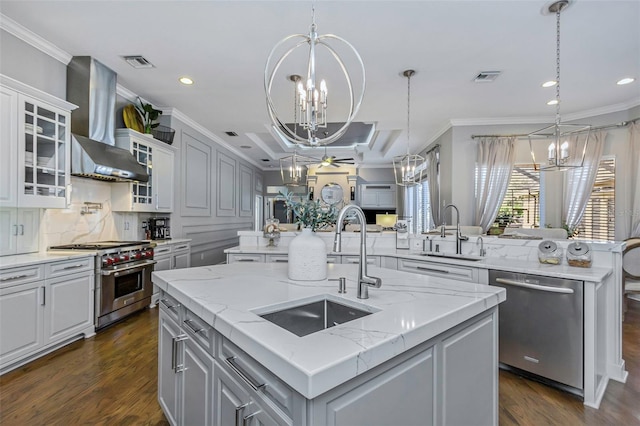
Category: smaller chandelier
[568,141]
[408,168]
[293,169]
[311,99]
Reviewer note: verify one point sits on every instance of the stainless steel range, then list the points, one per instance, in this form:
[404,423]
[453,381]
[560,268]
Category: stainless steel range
[123,277]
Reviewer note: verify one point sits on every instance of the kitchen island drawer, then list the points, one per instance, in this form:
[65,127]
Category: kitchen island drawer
[199,331]
[236,257]
[65,267]
[21,275]
[264,383]
[439,269]
[171,306]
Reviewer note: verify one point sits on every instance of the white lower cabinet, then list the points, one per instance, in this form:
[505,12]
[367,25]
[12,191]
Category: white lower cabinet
[206,379]
[19,231]
[42,307]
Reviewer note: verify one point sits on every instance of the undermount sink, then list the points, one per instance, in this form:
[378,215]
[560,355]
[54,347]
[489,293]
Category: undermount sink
[453,256]
[310,317]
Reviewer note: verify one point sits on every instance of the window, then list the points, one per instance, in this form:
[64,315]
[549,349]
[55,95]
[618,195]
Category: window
[521,204]
[418,207]
[598,222]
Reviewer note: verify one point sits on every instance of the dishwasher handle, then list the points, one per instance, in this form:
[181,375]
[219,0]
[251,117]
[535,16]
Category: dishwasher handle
[549,289]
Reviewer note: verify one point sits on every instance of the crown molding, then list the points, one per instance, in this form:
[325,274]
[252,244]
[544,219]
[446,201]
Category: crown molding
[126,93]
[175,113]
[12,27]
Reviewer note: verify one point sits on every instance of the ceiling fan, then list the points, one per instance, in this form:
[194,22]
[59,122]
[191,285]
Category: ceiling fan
[332,161]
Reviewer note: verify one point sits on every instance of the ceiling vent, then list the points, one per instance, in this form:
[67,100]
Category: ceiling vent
[486,76]
[138,61]
[231,133]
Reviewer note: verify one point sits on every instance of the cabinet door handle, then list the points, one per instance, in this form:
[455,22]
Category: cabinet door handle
[21,229]
[68,195]
[44,296]
[442,271]
[189,325]
[174,353]
[157,201]
[247,419]
[15,230]
[231,362]
[239,410]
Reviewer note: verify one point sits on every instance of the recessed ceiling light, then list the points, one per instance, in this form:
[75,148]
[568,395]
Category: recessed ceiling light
[625,80]
[549,83]
[552,102]
[186,80]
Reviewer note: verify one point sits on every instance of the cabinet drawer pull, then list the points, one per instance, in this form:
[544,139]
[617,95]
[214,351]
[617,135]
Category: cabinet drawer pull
[191,327]
[79,265]
[442,271]
[166,305]
[231,362]
[281,260]
[181,247]
[14,277]
[244,259]
[239,410]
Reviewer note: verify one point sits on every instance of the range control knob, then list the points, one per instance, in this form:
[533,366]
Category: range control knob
[107,261]
[138,255]
[124,257]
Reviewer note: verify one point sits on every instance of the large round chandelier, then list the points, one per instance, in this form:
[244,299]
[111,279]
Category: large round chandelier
[312,95]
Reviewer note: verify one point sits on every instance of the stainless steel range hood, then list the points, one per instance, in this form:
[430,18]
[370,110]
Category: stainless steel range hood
[92,86]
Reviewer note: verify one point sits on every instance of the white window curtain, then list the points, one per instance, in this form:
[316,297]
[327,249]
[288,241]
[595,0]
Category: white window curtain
[433,180]
[496,157]
[634,170]
[578,182]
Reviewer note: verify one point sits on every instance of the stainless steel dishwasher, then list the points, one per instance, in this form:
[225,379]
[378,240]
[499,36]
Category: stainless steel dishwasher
[541,327]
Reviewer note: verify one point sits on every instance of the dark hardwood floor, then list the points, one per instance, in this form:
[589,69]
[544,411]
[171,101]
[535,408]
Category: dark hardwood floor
[112,379]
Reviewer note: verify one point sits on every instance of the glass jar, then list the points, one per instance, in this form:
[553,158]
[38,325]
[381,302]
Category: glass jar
[549,252]
[579,254]
[271,231]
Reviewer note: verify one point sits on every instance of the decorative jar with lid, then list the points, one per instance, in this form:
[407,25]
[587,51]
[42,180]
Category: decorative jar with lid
[549,252]
[579,254]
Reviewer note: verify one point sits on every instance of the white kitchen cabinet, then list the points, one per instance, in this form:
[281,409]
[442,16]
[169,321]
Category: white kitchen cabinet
[43,307]
[157,157]
[19,231]
[185,370]
[378,196]
[20,320]
[35,142]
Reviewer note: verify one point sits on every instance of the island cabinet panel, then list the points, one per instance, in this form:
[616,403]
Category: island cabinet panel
[466,398]
[197,398]
[169,384]
[402,395]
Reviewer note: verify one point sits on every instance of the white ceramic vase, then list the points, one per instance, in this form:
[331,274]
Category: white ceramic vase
[307,257]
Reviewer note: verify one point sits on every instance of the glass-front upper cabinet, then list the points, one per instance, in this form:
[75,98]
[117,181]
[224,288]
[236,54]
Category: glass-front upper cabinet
[34,147]
[44,154]
[143,191]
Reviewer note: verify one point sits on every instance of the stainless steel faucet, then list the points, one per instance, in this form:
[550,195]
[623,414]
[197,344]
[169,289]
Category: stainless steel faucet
[480,240]
[364,280]
[459,237]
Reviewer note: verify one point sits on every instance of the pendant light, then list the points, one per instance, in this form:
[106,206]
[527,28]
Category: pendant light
[408,168]
[568,141]
[312,95]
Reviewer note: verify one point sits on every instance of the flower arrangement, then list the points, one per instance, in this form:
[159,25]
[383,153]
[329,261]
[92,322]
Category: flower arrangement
[310,213]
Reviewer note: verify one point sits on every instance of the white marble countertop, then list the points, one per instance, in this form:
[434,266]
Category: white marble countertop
[509,264]
[29,259]
[408,309]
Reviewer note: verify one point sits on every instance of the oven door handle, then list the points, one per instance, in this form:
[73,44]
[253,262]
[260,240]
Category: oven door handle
[129,270]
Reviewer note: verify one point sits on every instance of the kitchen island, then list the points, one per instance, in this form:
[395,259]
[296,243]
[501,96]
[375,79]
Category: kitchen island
[426,353]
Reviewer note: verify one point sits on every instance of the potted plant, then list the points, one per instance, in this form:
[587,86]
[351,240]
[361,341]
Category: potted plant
[309,213]
[148,114]
[307,254]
